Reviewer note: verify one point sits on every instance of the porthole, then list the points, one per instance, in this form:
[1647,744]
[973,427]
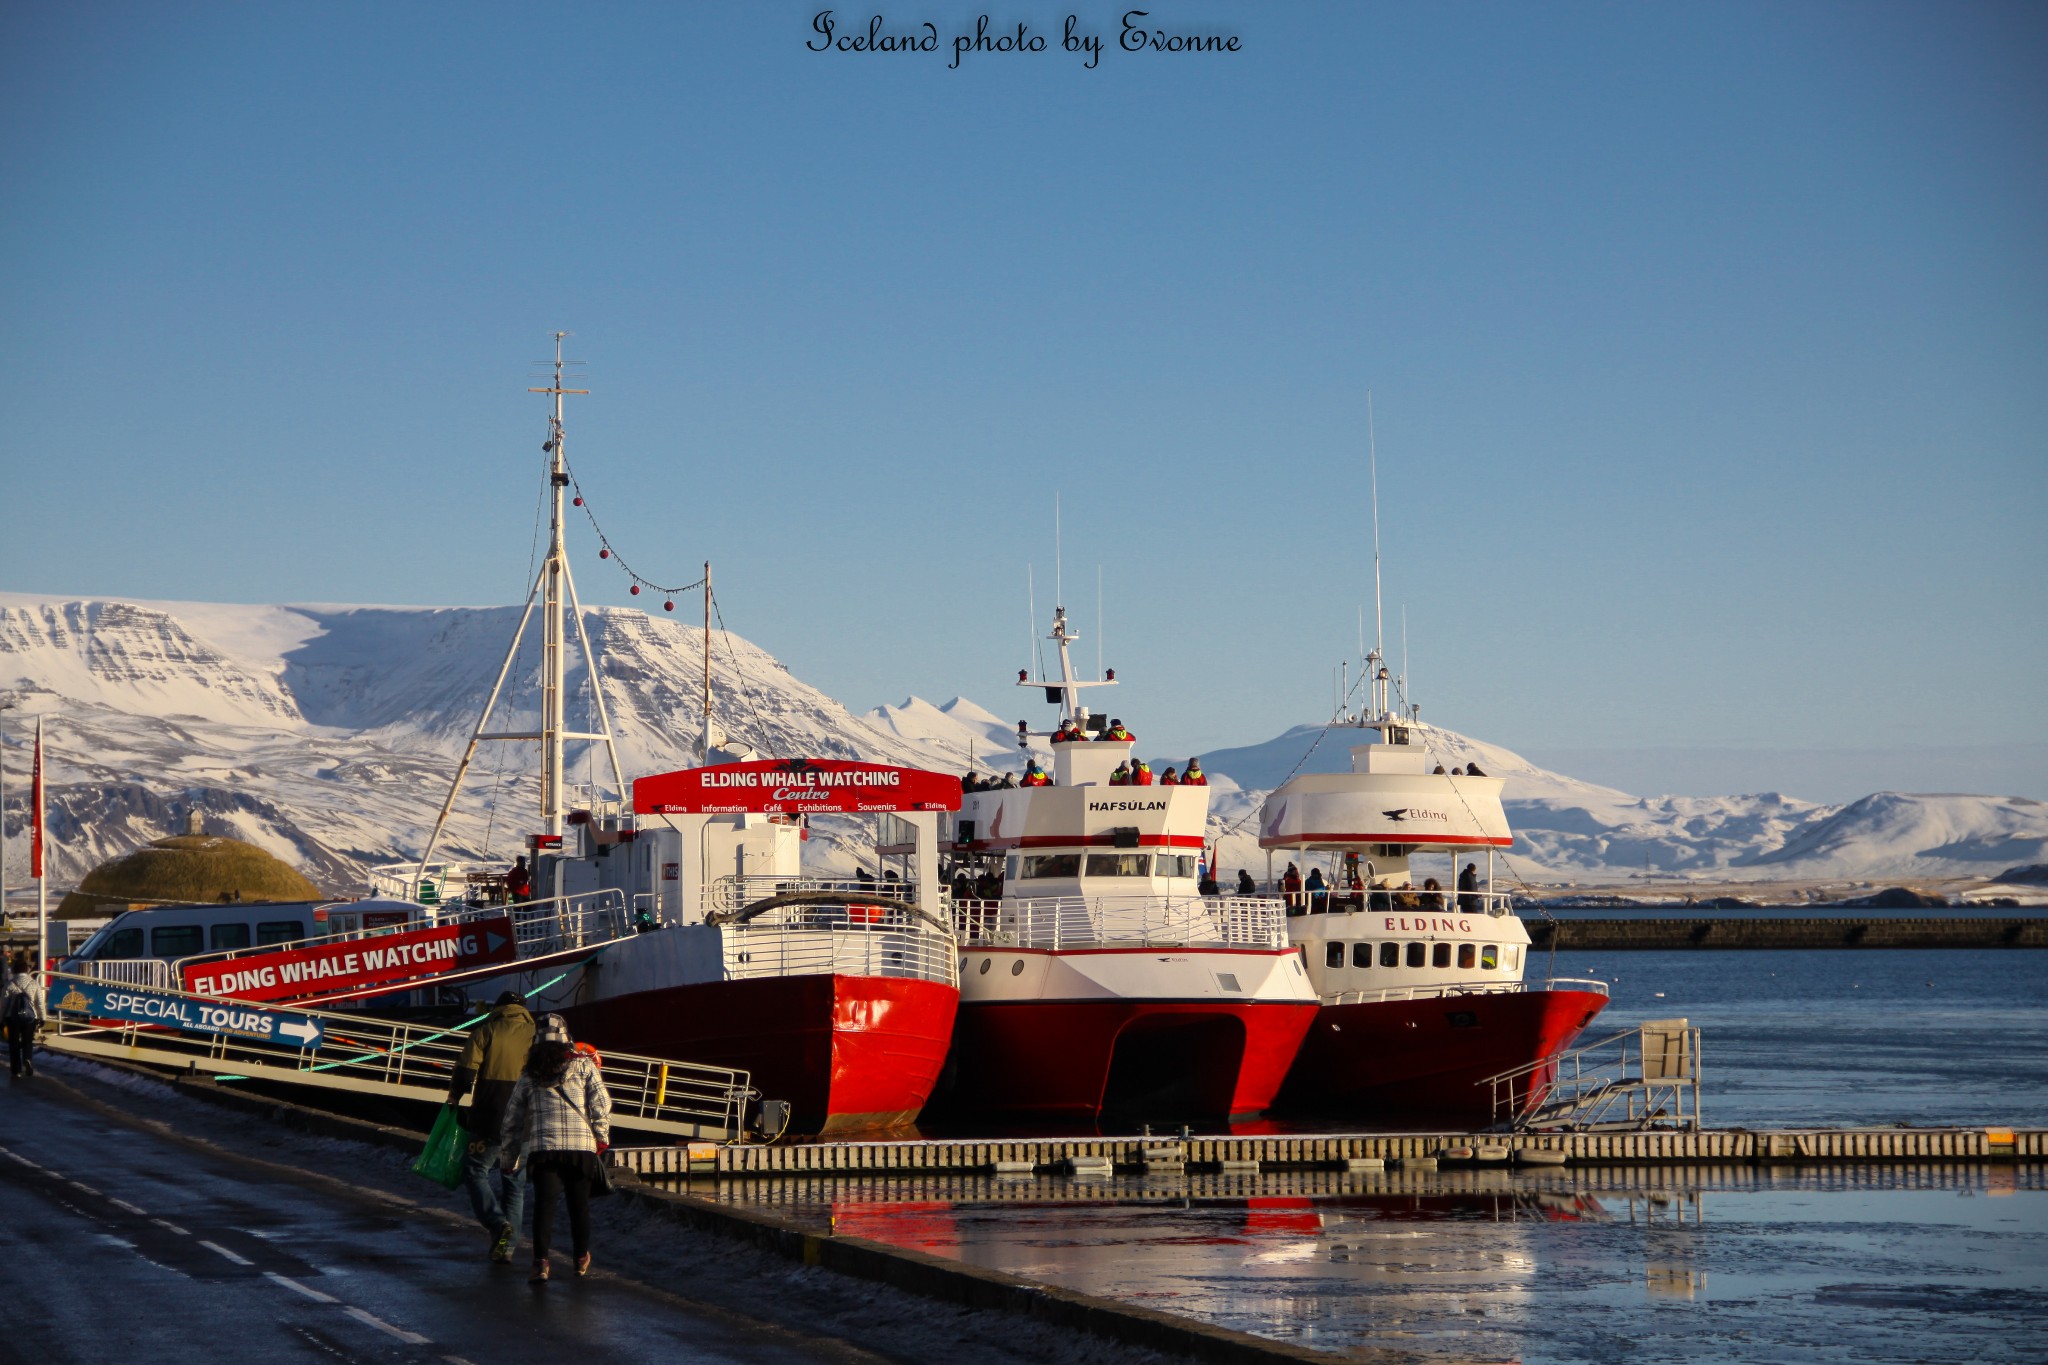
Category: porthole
[984,966]
[1017,967]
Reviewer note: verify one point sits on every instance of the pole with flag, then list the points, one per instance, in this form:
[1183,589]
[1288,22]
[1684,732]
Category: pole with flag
[35,848]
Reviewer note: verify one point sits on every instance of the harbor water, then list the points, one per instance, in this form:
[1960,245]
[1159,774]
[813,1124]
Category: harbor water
[1813,1263]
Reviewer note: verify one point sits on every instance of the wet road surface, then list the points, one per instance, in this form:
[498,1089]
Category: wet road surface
[125,1245]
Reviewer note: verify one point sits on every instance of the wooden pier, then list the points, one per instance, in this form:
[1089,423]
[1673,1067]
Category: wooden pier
[1359,1151]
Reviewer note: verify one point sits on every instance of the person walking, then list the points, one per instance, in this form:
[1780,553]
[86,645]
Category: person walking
[558,1126]
[492,1062]
[22,1011]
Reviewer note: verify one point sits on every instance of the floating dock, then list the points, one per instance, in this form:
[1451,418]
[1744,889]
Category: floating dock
[1360,1151]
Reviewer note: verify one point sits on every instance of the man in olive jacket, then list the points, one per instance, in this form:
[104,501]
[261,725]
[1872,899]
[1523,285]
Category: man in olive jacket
[492,1062]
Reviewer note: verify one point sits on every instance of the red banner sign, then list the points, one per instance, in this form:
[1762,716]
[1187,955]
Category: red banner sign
[795,786]
[348,964]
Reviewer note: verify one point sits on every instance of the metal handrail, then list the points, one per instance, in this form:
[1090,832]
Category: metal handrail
[151,972]
[1557,1091]
[1065,922]
[734,892]
[392,1057]
[819,940]
[1380,901]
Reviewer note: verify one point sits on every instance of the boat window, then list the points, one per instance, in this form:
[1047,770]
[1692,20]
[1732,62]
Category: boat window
[1442,956]
[1390,954]
[279,931]
[1012,873]
[1361,955]
[1174,865]
[176,940]
[230,936]
[1514,957]
[1489,956]
[1052,865]
[1418,954]
[122,944]
[1119,864]
[1467,952]
[1333,954]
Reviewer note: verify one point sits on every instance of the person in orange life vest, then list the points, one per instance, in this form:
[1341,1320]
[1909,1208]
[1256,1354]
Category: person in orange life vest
[1141,774]
[1122,776]
[1068,732]
[1116,731]
[1169,778]
[519,882]
[1194,776]
[1034,776]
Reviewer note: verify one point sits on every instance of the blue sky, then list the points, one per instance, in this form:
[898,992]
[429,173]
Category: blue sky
[1706,345]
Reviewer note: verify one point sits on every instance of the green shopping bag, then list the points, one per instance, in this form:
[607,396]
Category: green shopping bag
[441,1162]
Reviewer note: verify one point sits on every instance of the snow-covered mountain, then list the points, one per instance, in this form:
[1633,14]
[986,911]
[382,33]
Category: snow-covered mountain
[328,734]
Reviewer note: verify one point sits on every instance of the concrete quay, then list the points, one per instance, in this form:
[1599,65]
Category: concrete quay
[1622,935]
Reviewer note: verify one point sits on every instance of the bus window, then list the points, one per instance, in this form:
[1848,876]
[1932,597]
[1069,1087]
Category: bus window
[1333,954]
[1418,954]
[1442,956]
[279,931]
[1489,956]
[121,945]
[176,940]
[1467,952]
[1361,955]
[1390,954]
[230,936]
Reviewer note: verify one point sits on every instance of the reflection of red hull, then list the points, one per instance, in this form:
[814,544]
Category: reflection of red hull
[1417,1062]
[1075,1059]
[848,1052]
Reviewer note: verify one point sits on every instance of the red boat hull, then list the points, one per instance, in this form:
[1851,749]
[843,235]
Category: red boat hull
[1076,1060]
[848,1052]
[1417,1063]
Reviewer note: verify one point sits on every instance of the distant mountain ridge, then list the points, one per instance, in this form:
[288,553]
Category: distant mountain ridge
[328,735]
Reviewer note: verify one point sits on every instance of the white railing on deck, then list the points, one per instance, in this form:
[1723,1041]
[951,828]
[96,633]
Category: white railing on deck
[818,940]
[736,893]
[1333,902]
[1058,922]
[1446,989]
[125,971]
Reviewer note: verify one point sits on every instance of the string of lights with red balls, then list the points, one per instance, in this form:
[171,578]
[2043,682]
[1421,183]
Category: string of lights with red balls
[606,550]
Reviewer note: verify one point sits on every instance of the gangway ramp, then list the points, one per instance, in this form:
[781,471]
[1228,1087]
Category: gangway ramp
[359,1053]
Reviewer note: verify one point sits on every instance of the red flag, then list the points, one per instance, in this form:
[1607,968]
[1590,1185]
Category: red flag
[35,842]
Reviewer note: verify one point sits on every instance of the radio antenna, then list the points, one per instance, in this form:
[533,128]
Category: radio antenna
[1379,631]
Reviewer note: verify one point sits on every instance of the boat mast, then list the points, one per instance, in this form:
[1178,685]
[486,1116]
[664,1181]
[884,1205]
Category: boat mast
[707,663]
[555,588]
[1376,661]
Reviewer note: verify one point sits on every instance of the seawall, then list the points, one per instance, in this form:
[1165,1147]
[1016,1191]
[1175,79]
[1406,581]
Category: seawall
[1611,935]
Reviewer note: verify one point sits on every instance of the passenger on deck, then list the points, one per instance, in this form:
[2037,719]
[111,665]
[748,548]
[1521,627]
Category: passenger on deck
[1120,776]
[1318,894]
[1169,778]
[1069,731]
[1194,776]
[963,889]
[861,875]
[1468,889]
[519,882]
[1472,770]
[1290,889]
[1432,894]
[1116,731]
[1141,774]
[1245,885]
[971,782]
[1034,776]
[1009,781]
[1437,771]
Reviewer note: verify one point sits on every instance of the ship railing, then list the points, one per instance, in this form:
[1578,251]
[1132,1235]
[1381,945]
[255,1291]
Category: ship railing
[1332,901]
[1640,1078]
[738,892]
[1057,922]
[1445,989]
[372,1055]
[839,940]
[441,883]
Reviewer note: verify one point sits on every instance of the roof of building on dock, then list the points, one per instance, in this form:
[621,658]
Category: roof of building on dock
[183,869]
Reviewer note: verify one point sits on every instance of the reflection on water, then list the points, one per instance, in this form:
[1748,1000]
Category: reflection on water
[1852,1263]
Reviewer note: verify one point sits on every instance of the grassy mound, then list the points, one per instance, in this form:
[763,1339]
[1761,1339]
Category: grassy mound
[185,868]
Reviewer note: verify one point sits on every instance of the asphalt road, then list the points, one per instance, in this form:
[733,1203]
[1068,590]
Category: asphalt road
[121,1244]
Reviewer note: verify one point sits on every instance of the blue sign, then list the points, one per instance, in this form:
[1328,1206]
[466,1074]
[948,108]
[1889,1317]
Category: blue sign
[185,1013]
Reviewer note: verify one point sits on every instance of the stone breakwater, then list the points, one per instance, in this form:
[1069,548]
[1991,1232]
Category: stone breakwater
[1612,935]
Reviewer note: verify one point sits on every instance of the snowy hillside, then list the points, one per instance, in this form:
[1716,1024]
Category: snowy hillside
[328,734]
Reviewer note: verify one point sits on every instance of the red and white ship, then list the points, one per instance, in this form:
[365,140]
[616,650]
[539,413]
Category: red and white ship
[1099,980]
[1421,977]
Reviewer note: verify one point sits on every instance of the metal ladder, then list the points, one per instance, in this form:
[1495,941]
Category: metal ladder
[1640,1078]
[359,1053]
